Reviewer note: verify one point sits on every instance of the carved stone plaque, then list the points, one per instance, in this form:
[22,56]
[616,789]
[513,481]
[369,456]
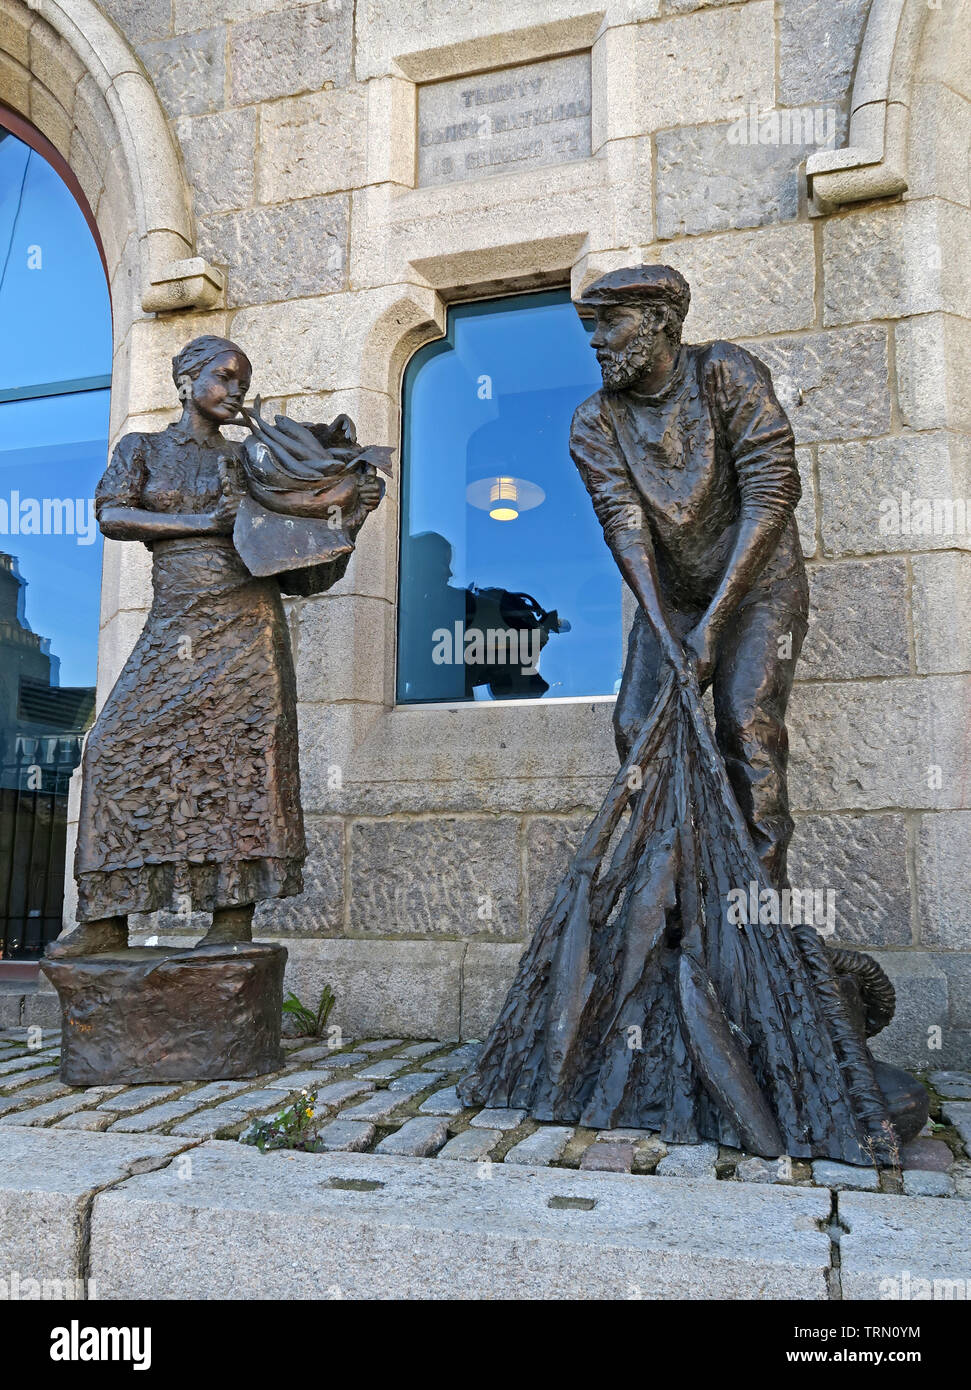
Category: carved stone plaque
[497,122]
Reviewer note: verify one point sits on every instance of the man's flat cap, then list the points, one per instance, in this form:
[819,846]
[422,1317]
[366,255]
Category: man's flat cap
[638,282]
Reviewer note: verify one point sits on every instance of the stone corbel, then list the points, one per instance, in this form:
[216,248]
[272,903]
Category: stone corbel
[191,283]
[873,164]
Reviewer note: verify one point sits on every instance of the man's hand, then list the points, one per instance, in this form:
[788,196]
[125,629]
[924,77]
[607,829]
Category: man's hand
[701,645]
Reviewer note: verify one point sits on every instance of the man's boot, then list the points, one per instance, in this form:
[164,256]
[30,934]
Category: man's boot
[231,926]
[91,939]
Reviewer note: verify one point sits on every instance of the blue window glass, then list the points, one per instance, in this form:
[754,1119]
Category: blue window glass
[55,363]
[52,453]
[53,298]
[507,589]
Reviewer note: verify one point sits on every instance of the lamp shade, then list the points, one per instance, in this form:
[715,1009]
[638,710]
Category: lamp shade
[504,497]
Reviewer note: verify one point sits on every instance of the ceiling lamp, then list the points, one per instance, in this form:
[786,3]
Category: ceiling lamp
[504,498]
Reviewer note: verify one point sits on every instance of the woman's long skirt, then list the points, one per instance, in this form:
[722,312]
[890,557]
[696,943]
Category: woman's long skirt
[190,796]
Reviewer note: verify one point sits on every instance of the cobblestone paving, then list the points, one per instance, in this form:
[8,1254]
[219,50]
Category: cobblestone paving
[391,1096]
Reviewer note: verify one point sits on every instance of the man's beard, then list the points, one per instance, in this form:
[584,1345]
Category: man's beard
[622,369]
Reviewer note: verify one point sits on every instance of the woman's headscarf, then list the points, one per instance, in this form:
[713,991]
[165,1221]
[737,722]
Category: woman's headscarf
[195,355]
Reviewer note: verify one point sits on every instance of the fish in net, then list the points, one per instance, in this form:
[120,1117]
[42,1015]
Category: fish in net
[643,1001]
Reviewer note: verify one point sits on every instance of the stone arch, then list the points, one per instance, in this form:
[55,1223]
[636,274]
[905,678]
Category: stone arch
[873,163]
[932,349]
[939,100]
[396,321]
[906,43]
[68,70]
[403,319]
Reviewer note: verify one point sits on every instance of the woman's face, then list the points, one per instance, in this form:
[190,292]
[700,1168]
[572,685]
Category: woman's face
[220,388]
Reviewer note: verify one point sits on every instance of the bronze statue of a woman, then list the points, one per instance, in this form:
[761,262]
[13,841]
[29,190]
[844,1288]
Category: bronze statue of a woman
[190,795]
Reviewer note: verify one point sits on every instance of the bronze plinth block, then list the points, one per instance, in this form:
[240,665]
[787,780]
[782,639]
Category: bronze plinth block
[156,1013]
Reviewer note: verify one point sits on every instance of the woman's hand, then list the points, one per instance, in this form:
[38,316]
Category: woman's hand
[224,515]
[224,512]
[370,490]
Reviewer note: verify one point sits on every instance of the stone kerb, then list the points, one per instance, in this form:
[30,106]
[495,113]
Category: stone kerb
[409,1227]
[418,1195]
[46,1189]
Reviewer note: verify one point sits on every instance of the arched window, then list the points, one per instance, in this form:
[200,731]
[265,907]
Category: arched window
[55,364]
[507,589]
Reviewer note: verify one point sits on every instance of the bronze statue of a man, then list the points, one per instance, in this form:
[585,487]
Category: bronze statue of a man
[690,463]
[644,998]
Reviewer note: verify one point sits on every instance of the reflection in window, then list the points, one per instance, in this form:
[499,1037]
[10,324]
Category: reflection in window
[53,297]
[55,360]
[507,589]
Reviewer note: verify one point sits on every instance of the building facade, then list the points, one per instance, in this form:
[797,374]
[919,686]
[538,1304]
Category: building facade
[324,182]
